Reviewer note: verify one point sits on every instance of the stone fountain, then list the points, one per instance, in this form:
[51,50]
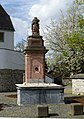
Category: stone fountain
[34,90]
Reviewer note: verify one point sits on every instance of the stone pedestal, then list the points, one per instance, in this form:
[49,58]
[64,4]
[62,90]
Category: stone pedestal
[41,93]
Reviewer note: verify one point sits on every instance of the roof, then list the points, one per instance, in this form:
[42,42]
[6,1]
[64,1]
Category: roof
[5,21]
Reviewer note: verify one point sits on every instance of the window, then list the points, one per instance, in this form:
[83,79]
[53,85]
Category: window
[1,37]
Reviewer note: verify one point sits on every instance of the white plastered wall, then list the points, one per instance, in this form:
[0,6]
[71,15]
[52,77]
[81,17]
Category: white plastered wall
[8,40]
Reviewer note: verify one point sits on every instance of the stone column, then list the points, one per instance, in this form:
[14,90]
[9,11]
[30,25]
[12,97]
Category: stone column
[35,56]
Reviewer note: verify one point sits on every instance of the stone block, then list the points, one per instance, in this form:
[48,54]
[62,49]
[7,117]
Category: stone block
[78,86]
[76,109]
[42,110]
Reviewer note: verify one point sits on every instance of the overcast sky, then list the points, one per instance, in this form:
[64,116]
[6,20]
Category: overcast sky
[23,11]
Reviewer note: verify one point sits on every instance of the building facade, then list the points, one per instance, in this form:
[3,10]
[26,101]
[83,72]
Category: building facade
[10,60]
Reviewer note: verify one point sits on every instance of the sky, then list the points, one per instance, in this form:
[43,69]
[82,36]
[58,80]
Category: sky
[23,11]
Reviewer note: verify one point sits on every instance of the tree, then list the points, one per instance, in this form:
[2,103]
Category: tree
[66,39]
[20,45]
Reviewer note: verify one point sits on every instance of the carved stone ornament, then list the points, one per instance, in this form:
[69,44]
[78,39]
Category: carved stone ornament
[35,26]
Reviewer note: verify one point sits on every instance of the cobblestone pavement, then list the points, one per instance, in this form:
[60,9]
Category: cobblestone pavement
[9,108]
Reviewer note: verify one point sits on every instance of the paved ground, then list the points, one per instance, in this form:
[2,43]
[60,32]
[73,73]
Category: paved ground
[9,108]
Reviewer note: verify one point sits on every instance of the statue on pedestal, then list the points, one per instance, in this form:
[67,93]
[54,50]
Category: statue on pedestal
[35,26]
